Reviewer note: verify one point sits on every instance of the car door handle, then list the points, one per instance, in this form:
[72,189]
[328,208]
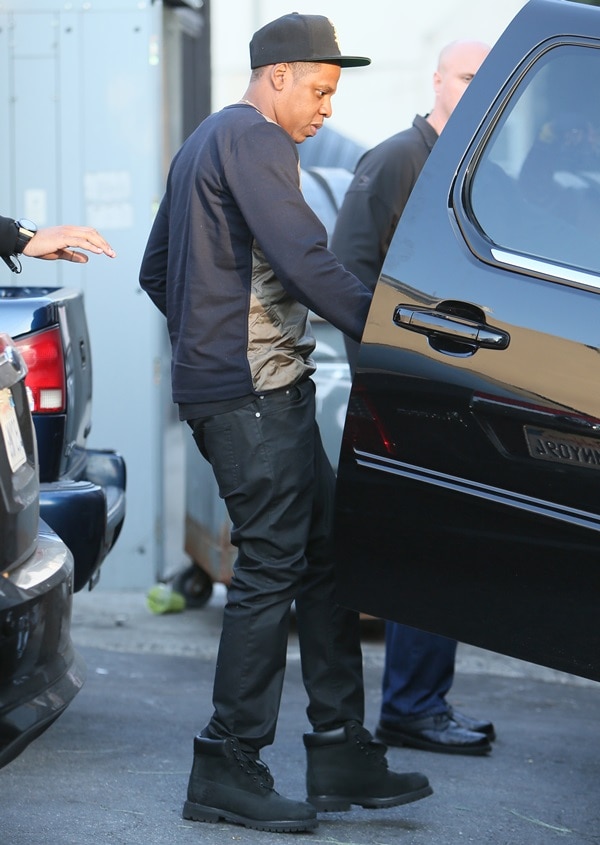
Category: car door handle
[436,323]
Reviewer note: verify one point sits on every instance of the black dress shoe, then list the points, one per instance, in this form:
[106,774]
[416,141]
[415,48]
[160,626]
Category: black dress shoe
[434,733]
[471,724]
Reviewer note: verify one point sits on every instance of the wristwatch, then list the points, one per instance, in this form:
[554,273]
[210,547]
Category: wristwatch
[25,231]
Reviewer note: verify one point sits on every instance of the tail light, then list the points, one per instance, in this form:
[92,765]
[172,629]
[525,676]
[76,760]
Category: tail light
[46,382]
[364,427]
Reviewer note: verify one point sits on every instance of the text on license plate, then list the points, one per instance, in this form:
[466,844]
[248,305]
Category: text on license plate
[562,448]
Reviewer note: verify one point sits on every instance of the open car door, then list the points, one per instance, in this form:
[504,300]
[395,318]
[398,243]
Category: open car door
[468,500]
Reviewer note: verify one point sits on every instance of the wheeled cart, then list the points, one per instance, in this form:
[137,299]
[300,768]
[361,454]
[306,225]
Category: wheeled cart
[207,531]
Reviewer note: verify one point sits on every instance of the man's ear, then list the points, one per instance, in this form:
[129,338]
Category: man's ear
[279,73]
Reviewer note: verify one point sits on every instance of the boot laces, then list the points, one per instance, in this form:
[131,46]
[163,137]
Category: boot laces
[252,765]
[368,745]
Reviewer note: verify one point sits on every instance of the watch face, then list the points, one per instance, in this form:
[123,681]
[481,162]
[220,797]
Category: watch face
[23,223]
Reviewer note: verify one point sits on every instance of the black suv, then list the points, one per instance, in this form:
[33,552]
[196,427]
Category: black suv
[469,476]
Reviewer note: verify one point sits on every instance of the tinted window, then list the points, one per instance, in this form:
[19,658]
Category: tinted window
[536,189]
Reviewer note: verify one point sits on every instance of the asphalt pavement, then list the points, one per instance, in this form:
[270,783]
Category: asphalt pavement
[113,769]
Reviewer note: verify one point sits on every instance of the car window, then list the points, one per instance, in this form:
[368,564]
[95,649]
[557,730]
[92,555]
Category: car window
[536,188]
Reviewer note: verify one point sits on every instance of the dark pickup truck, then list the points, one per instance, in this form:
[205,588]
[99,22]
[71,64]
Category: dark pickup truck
[82,490]
[40,670]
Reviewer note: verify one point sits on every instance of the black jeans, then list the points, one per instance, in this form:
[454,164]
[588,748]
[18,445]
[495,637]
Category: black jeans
[278,486]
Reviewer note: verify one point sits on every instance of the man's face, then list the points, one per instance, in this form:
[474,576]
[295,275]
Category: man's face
[305,100]
[455,73]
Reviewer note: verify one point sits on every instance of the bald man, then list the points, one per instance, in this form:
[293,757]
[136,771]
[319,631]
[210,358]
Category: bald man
[419,667]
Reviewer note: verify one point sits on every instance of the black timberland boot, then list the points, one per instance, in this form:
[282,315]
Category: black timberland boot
[347,766]
[232,785]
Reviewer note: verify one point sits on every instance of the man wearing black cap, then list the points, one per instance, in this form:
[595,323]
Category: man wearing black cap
[235,260]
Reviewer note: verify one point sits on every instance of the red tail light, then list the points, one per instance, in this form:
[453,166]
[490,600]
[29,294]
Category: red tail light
[364,425]
[43,355]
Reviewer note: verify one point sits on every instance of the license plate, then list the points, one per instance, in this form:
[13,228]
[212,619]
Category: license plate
[560,448]
[11,432]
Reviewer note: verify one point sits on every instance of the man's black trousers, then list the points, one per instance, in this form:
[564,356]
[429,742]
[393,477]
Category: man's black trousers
[278,486]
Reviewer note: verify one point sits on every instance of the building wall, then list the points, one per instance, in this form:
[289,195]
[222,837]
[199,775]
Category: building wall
[95,148]
[402,39]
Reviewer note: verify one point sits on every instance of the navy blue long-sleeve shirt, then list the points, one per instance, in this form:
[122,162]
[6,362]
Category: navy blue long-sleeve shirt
[235,260]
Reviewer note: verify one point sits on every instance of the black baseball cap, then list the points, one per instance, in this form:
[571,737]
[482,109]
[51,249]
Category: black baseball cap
[299,38]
